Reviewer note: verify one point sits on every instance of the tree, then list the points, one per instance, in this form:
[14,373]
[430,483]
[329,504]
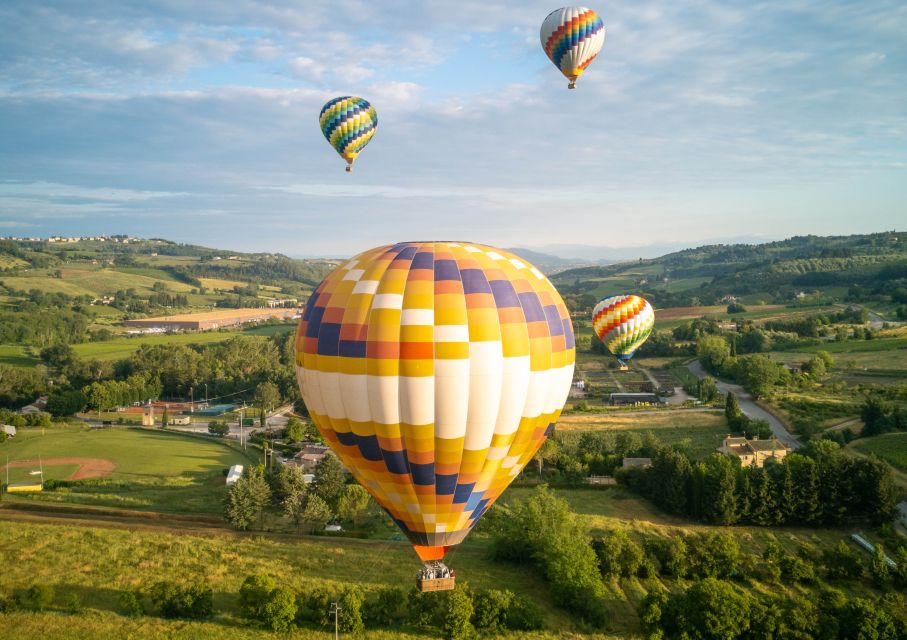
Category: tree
[547,452]
[491,607]
[353,503]
[59,355]
[386,607]
[842,562]
[863,619]
[131,604]
[714,352]
[254,594]
[295,429]
[240,508]
[194,601]
[719,502]
[165,418]
[218,428]
[710,609]
[351,601]
[292,505]
[706,389]
[316,514]
[458,615]
[878,567]
[280,609]
[62,402]
[758,374]
[289,478]
[330,478]
[731,409]
[815,367]
[267,396]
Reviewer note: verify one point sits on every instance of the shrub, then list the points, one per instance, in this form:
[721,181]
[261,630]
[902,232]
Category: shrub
[280,609]
[491,607]
[131,604]
[524,615]
[385,607]
[194,602]
[40,596]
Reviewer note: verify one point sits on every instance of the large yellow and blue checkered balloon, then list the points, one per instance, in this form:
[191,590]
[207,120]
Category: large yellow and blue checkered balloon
[348,123]
[435,370]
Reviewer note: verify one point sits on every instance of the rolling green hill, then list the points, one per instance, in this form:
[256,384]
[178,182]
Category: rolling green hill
[806,269]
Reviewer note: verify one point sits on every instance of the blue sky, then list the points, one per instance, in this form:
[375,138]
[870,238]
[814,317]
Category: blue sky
[197,122]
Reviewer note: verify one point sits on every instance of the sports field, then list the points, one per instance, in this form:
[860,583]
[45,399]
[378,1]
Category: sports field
[145,469]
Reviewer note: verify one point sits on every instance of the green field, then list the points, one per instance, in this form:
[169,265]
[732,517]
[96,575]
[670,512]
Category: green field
[698,432]
[16,356]
[156,471]
[120,348]
[891,447]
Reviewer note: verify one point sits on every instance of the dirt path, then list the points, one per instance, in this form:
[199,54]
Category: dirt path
[88,467]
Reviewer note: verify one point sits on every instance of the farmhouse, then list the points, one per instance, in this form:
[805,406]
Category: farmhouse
[210,319]
[753,452]
[309,457]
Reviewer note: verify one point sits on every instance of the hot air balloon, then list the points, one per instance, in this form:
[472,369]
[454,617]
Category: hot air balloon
[572,37]
[348,123]
[435,370]
[623,323]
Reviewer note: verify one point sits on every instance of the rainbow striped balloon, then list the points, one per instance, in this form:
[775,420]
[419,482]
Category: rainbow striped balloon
[435,370]
[572,37]
[623,323]
[348,123]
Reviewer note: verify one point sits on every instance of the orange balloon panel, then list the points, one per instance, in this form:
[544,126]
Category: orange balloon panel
[435,370]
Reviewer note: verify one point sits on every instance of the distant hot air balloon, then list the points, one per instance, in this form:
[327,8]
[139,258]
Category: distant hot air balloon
[348,123]
[435,370]
[623,323]
[572,37]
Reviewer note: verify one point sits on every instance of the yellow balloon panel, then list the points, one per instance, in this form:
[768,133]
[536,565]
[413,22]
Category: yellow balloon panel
[435,370]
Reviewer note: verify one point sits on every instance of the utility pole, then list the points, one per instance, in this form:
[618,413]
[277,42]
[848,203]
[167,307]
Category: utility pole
[191,399]
[206,395]
[335,609]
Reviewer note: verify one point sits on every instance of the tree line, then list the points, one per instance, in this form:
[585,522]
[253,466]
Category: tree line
[820,486]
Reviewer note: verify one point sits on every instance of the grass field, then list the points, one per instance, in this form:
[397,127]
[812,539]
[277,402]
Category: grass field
[891,447]
[156,471]
[699,432]
[96,564]
[882,354]
[120,348]
[15,355]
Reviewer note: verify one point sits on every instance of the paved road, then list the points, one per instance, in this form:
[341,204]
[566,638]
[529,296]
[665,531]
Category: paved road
[748,406]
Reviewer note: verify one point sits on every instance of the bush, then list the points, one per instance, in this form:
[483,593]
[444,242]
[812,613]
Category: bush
[385,607]
[524,615]
[456,622]
[194,602]
[842,562]
[40,596]
[280,609]
[73,604]
[131,604]
[491,607]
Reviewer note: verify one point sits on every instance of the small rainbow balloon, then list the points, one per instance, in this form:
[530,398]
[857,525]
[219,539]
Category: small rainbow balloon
[348,123]
[623,323]
[572,37]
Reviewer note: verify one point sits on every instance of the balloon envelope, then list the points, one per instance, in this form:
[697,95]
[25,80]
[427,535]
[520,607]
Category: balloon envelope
[572,37]
[623,323]
[435,370]
[348,123]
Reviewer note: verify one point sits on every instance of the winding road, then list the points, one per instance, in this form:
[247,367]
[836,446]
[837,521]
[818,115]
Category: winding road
[748,406]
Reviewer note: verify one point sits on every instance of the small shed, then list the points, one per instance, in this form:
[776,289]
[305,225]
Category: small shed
[634,398]
[234,474]
[181,420]
[9,430]
[637,462]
